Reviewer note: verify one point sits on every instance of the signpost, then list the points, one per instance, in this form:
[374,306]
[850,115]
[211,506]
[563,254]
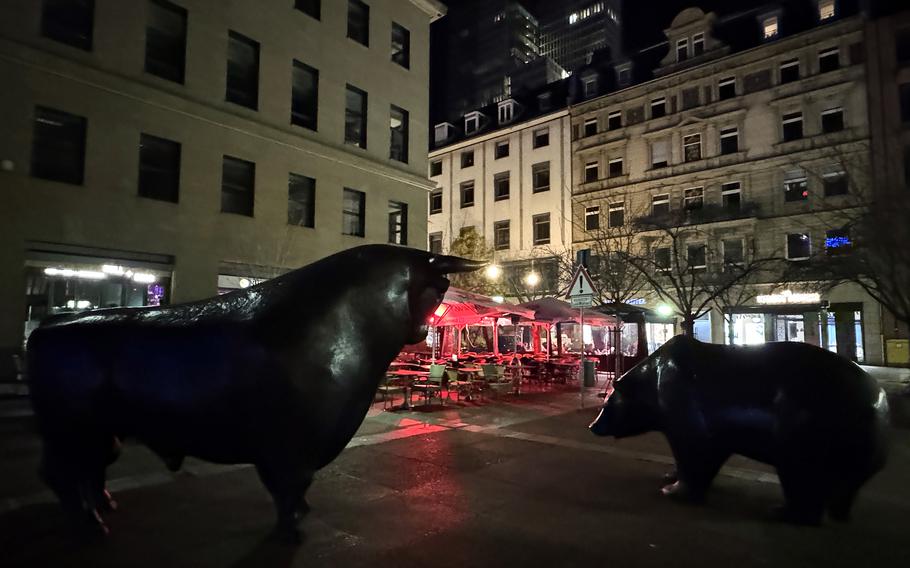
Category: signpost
[581,295]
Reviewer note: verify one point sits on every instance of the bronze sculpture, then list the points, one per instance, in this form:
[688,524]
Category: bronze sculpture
[819,419]
[279,375]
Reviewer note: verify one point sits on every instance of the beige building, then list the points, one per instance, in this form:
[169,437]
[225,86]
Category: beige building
[750,142]
[156,151]
[509,179]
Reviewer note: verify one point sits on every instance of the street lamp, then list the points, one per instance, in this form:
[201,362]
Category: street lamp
[493,272]
[664,310]
[532,279]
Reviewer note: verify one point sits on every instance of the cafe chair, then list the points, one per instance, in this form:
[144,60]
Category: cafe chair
[457,385]
[389,387]
[432,385]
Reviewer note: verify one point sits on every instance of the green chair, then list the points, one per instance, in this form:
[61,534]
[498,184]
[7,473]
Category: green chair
[494,376]
[457,385]
[432,385]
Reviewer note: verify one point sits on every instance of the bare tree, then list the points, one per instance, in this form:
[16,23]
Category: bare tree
[471,244]
[677,259]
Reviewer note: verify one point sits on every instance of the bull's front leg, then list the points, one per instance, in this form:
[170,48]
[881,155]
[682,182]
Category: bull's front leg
[287,482]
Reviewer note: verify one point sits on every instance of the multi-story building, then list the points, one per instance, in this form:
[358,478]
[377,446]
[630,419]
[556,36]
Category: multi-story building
[508,178]
[155,151]
[747,127]
[571,31]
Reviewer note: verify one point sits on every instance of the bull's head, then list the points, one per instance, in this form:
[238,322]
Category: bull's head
[428,285]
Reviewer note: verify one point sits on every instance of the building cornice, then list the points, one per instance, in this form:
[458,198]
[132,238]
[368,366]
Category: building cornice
[432,8]
[500,133]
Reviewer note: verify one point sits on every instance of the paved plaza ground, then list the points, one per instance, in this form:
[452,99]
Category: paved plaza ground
[517,481]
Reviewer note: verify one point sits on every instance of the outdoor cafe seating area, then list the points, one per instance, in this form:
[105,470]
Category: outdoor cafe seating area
[479,350]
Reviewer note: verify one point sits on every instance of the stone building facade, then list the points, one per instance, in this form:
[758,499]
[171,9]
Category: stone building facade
[753,143]
[156,151]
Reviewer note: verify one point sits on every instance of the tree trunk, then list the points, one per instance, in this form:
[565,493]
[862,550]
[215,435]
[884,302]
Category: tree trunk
[688,326]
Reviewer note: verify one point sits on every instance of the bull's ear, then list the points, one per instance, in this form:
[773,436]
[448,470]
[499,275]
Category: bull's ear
[444,264]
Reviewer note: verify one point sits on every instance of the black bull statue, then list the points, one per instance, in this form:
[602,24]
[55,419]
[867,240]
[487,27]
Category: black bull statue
[279,375]
[819,419]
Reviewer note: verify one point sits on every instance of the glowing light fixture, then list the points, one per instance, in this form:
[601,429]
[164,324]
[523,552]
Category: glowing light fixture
[664,310]
[143,278]
[244,283]
[493,272]
[532,279]
[498,299]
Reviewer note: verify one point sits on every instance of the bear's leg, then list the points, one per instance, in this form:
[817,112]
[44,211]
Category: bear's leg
[804,487]
[697,464]
[288,485]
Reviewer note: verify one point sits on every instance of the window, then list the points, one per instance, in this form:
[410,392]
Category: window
[592,218]
[902,46]
[501,235]
[237,186]
[467,193]
[662,258]
[501,149]
[501,186]
[242,71]
[304,95]
[729,140]
[471,123]
[792,126]
[398,223]
[355,117]
[617,215]
[165,40]
[309,7]
[828,59]
[798,246]
[467,159]
[589,86]
[726,88]
[401,45]
[658,107]
[697,256]
[825,9]
[660,153]
[789,71]
[733,251]
[359,22]
[436,201]
[796,186]
[435,243]
[682,49]
[692,147]
[591,173]
[837,241]
[698,44]
[435,168]
[614,167]
[660,205]
[835,183]
[590,126]
[159,168]
[541,176]
[301,201]
[69,21]
[398,134]
[541,137]
[832,120]
[58,146]
[353,213]
[693,198]
[614,120]
[541,225]
[442,132]
[506,111]
[731,196]
[769,27]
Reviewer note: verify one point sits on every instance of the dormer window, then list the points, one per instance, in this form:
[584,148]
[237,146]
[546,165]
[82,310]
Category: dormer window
[471,122]
[769,27]
[589,86]
[624,74]
[443,132]
[682,49]
[506,111]
[826,9]
[698,44]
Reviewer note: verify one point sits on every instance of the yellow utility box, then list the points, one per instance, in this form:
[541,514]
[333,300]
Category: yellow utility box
[897,351]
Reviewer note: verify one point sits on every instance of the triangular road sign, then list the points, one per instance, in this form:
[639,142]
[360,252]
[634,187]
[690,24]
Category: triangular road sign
[581,284]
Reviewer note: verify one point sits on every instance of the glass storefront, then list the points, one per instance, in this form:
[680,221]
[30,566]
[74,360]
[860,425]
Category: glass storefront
[53,288]
[658,334]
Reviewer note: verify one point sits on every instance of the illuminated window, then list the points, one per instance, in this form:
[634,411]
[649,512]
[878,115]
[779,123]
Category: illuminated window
[769,27]
[825,9]
[355,117]
[796,186]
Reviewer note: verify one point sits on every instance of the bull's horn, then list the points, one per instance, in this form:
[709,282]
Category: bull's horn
[451,264]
